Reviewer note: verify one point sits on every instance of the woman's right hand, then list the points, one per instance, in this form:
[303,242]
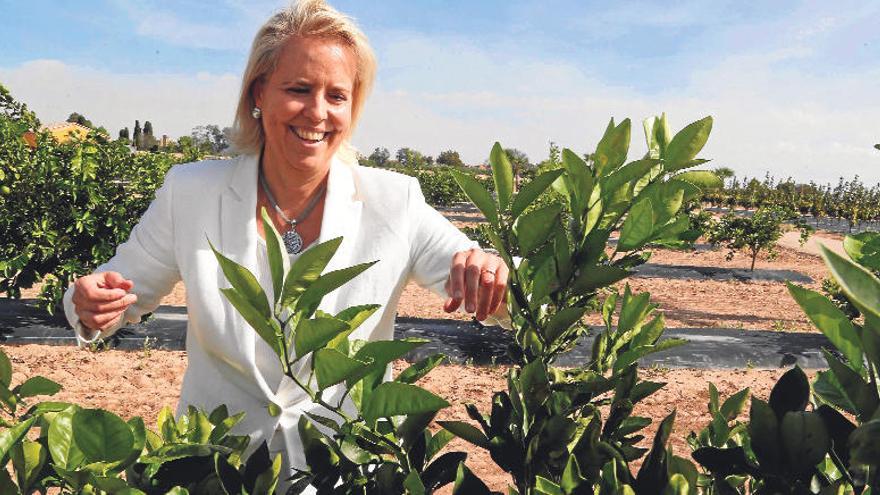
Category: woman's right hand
[101,299]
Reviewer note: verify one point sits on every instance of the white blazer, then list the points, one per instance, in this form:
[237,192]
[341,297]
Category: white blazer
[382,216]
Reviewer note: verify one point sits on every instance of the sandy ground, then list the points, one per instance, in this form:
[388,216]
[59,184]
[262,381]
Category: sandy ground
[141,383]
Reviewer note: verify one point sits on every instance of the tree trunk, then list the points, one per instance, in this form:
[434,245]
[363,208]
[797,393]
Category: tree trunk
[754,257]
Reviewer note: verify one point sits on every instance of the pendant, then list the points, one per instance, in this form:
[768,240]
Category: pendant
[292,241]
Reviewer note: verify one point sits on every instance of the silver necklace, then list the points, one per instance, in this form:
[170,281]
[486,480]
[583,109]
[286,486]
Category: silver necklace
[292,240]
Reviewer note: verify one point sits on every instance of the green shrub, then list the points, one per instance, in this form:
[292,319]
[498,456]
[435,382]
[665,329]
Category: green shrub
[755,233]
[62,446]
[384,445]
[570,430]
[831,446]
[66,206]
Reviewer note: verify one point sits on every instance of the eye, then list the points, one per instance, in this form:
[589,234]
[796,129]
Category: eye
[300,90]
[338,97]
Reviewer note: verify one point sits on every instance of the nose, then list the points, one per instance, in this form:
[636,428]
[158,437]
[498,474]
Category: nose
[316,108]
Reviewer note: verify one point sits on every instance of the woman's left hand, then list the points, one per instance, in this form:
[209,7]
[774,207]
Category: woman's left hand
[479,279]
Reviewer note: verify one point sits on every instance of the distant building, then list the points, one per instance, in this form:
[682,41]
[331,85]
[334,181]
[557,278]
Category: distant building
[64,131]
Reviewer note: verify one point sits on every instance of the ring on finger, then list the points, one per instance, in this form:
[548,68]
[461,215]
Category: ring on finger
[489,271]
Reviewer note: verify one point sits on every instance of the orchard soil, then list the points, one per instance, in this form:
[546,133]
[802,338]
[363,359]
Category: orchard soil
[141,383]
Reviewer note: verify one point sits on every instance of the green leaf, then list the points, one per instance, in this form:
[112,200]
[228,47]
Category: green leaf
[478,195]
[307,268]
[638,226]
[612,148]
[244,283]
[437,442]
[466,431]
[274,253]
[260,323]
[355,315]
[28,461]
[633,310]
[791,392]
[677,485]
[382,352]
[38,385]
[543,486]
[167,426]
[562,321]
[589,279]
[468,484]
[417,371]
[827,388]
[859,392]
[686,144]
[703,179]
[831,321]
[413,484]
[273,409]
[101,435]
[631,356]
[5,370]
[580,181]
[805,439]
[266,481]
[860,286]
[764,433]
[734,405]
[63,450]
[534,228]
[327,283]
[332,367]
[864,249]
[502,173]
[863,444]
[572,479]
[627,175]
[139,433]
[312,334]
[532,190]
[12,436]
[395,399]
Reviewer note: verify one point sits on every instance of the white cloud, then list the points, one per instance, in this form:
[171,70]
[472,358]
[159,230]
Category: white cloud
[441,93]
[173,103]
[767,118]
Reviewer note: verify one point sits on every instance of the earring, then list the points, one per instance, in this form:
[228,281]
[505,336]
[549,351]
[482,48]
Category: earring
[256,112]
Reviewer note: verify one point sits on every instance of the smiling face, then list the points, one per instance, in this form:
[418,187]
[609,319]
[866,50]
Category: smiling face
[306,102]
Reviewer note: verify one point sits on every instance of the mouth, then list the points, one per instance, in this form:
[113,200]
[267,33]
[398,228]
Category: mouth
[309,136]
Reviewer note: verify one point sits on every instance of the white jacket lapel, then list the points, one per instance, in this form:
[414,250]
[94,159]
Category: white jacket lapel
[342,218]
[238,241]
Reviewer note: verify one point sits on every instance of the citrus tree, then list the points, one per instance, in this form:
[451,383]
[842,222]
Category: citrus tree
[570,430]
[66,206]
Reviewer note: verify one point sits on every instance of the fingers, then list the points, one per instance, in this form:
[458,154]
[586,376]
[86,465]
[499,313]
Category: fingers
[477,279]
[489,273]
[100,321]
[114,280]
[101,299]
[472,273]
[499,287]
[455,282]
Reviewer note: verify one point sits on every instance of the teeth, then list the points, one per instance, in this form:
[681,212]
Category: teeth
[309,136]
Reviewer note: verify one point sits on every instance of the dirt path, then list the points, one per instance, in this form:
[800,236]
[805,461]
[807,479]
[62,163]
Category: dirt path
[834,242]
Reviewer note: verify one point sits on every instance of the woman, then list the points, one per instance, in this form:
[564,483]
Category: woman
[309,71]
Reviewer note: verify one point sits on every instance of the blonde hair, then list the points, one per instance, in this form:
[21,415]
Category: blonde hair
[301,18]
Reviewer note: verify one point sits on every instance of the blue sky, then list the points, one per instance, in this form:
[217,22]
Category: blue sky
[792,84]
